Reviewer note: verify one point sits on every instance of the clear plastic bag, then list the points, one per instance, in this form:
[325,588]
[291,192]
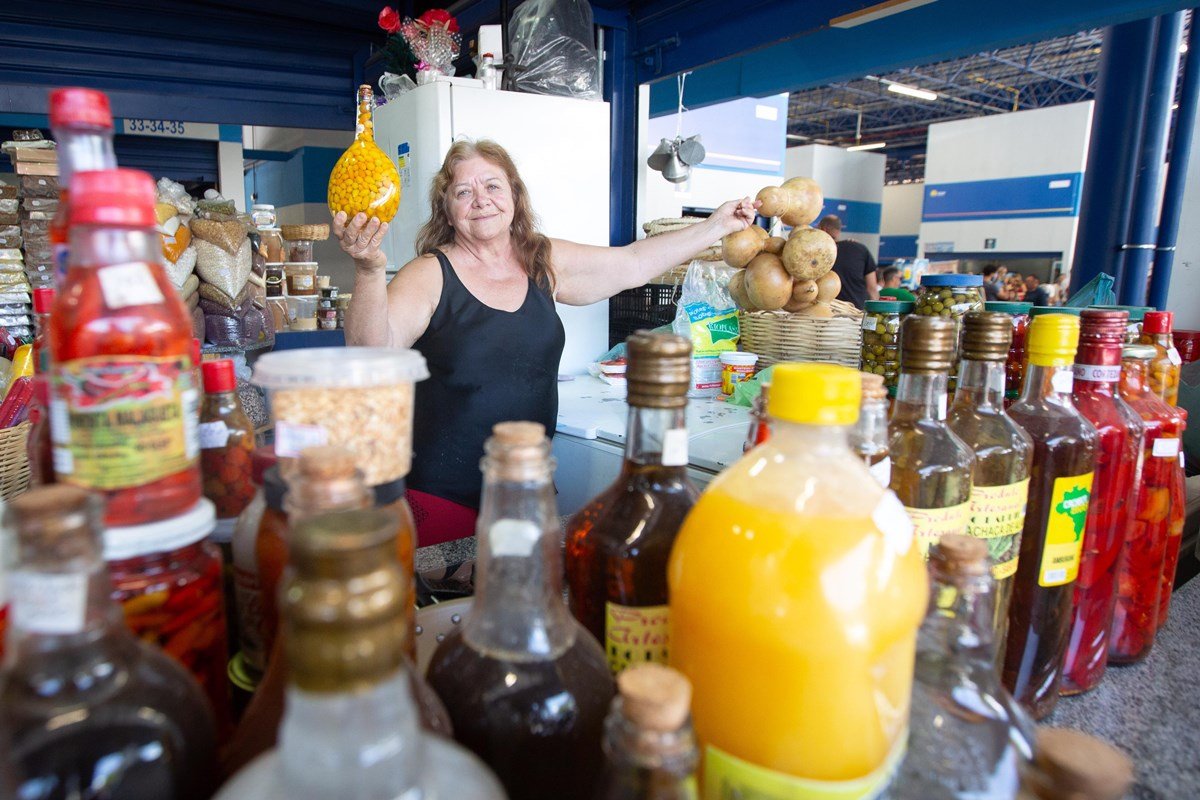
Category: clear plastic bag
[555,42]
[708,317]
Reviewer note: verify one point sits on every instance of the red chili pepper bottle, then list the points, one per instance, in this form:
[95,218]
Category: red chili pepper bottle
[124,408]
[1097,376]
[226,442]
[1174,528]
[1139,579]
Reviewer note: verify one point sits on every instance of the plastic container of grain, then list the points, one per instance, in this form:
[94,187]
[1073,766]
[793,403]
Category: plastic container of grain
[360,398]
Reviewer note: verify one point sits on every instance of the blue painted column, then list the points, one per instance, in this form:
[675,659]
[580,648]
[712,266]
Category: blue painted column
[1181,148]
[1112,155]
[621,92]
[1139,247]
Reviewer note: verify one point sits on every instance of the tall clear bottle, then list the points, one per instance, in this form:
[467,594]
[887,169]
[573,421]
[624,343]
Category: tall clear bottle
[1118,455]
[1060,488]
[1000,481]
[351,727]
[796,593]
[526,685]
[967,737]
[649,746]
[869,436]
[931,466]
[83,699]
[619,543]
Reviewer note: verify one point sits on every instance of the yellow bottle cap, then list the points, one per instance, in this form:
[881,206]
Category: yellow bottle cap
[815,394]
[1053,339]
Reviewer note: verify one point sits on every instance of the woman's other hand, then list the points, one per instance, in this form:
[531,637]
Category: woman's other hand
[361,238]
[734,216]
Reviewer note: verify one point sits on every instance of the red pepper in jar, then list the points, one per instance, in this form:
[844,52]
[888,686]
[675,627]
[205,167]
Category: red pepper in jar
[1174,529]
[226,442]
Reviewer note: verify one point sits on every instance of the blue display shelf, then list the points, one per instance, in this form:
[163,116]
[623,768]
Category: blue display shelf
[296,340]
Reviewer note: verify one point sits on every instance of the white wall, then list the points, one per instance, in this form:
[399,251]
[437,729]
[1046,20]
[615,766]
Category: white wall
[856,177]
[902,209]
[1184,294]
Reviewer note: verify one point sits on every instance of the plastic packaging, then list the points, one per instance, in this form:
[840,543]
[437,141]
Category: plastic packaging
[554,41]
[707,316]
[364,180]
[736,367]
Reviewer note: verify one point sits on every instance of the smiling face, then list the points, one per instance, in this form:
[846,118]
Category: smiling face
[480,200]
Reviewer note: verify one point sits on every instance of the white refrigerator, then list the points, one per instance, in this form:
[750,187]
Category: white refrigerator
[561,148]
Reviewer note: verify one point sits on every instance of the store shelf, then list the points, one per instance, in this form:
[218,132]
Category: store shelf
[296,340]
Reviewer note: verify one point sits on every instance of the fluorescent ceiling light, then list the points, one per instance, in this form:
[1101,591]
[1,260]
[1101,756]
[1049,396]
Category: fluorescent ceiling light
[912,91]
[870,146]
[877,11]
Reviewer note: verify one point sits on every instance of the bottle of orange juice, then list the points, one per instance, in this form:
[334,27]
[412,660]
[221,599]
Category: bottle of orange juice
[796,591]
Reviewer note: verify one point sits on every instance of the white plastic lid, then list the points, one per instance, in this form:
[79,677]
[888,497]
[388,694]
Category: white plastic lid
[738,358]
[262,207]
[300,264]
[161,537]
[339,367]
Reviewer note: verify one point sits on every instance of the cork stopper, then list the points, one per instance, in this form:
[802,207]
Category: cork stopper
[659,371]
[987,336]
[655,697]
[1075,765]
[518,434]
[927,344]
[518,451]
[956,554]
[873,387]
[325,479]
[57,523]
[326,463]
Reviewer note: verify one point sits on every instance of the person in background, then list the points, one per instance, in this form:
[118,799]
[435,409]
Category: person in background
[1016,287]
[854,265]
[993,283]
[1062,288]
[1034,291]
[891,285]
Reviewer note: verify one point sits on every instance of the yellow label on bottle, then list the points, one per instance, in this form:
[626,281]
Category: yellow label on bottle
[931,524]
[635,635]
[1064,530]
[998,516]
[727,777]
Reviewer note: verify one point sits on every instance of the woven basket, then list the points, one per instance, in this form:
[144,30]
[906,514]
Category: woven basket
[657,227]
[14,461]
[777,336]
[305,233]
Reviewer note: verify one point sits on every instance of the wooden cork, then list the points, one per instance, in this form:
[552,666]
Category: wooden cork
[1082,766]
[655,697]
[326,462]
[961,555]
[872,386]
[519,434]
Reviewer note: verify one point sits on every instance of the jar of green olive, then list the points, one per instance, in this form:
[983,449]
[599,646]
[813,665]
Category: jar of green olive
[950,296]
[881,339]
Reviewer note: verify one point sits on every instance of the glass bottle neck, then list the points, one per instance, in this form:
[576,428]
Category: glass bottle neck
[657,436]
[83,150]
[980,384]
[869,436]
[98,246]
[960,617]
[920,397]
[1049,383]
[659,763]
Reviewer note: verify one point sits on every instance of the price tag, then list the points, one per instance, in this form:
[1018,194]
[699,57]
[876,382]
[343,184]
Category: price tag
[1174,356]
[49,603]
[1062,381]
[513,537]
[213,434]
[291,439]
[125,285]
[675,448]
[868,323]
[1165,448]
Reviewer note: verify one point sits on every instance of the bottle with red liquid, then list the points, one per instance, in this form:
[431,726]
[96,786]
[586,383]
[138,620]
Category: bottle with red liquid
[1140,576]
[83,128]
[43,303]
[1097,376]
[1174,528]
[226,444]
[124,407]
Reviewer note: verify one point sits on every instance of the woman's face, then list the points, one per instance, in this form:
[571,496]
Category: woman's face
[481,201]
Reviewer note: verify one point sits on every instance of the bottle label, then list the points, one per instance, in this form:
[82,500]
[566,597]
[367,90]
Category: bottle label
[513,537]
[1165,448]
[122,421]
[1064,530]
[49,603]
[998,516]
[1062,381]
[1097,373]
[131,284]
[303,282]
[291,438]
[213,435]
[675,448]
[635,635]
[1173,356]
[932,524]
[727,777]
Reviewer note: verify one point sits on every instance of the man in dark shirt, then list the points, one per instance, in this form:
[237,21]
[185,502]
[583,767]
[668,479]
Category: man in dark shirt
[854,265]
[1036,293]
[993,283]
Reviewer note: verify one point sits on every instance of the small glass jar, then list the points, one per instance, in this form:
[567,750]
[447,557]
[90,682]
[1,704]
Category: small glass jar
[301,278]
[881,339]
[1133,330]
[274,280]
[951,296]
[263,215]
[302,313]
[300,250]
[1014,368]
[327,319]
[167,578]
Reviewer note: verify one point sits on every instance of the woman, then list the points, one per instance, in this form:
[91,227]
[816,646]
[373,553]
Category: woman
[478,303]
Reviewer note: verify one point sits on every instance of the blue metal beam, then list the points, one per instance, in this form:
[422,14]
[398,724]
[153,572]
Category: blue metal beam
[621,91]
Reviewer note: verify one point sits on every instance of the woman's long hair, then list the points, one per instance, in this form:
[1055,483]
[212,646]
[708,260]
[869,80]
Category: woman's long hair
[530,246]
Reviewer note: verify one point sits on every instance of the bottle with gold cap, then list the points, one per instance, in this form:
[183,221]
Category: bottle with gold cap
[869,436]
[1000,479]
[649,746]
[931,466]
[619,543]
[967,736]
[1074,766]
[351,726]
[526,685]
[1060,489]
[801,682]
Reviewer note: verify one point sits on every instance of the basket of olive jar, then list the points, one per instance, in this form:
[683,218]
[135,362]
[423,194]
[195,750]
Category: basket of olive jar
[881,339]
[952,296]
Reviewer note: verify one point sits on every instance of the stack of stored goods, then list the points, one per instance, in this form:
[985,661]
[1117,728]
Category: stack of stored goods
[173,213]
[35,160]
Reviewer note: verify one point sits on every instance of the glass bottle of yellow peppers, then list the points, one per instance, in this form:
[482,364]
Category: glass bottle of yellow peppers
[1167,364]
[364,180]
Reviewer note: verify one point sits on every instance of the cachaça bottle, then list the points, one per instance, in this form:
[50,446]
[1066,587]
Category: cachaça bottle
[527,687]
[82,124]
[85,702]
[1074,766]
[1060,488]
[931,466]
[967,737]
[1000,481]
[619,543]
[351,728]
[1118,454]
[649,747]
[869,436]
[796,592]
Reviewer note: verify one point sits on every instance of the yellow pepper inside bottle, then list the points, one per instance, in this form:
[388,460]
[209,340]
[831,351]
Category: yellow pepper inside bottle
[365,180]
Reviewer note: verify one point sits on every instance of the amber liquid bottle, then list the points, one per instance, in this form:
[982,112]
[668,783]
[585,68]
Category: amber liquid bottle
[619,543]
[86,703]
[1060,486]
[931,466]
[526,685]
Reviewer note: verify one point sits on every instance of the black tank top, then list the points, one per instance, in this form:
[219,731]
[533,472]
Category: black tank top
[485,366]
